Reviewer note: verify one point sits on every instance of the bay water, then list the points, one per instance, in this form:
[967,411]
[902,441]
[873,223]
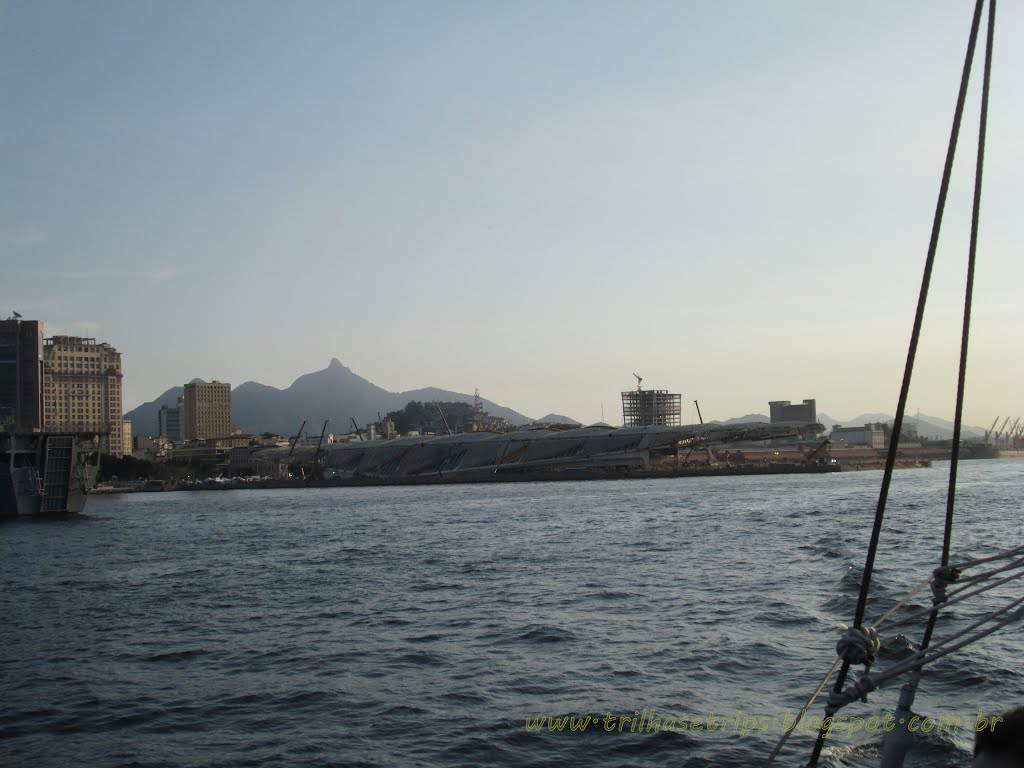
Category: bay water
[603,623]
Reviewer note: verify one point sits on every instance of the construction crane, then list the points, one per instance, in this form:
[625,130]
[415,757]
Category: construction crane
[296,440]
[701,418]
[443,419]
[639,379]
[286,467]
[358,431]
[820,451]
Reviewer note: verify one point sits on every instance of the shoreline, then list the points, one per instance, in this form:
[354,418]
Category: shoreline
[523,477]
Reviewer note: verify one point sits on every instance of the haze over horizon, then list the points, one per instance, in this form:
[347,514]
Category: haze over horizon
[690,414]
[536,199]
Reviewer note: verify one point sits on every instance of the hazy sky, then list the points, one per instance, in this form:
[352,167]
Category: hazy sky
[732,199]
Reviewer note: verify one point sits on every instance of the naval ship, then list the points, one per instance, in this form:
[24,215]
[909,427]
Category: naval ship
[44,473]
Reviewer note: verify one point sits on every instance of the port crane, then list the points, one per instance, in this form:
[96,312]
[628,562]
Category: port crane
[286,469]
[443,419]
[1011,431]
[315,467]
[295,441]
[988,432]
[995,440]
[820,451]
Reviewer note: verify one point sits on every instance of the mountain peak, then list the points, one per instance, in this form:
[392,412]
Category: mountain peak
[335,393]
[555,418]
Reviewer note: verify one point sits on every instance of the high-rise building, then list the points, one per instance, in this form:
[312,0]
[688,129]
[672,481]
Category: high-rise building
[21,354]
[172,422]
[651,407]
[82,389]
[207,410]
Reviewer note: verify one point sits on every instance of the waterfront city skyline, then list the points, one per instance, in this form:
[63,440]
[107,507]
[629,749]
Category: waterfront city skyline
[536,200]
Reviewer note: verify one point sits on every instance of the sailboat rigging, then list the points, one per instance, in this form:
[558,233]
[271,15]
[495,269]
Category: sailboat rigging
[862,640]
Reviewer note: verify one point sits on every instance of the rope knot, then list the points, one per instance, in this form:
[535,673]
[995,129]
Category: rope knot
[942,577]
[858,645]
[859,690]
[863,687]
[835,702]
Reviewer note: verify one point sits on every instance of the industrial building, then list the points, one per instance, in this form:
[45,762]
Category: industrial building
[871,435]
[82,390]
[782,411]
[21,354]
[207,410]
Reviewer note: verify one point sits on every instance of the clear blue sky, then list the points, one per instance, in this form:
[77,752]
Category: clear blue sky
[533,198]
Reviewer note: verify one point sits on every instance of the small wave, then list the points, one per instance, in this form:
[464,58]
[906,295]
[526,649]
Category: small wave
[543,633]
[245,699]
[305,698]
[464,697]
[401,710]
[436,586]
[420,659]
[425,638]
[649,744]
[131,720]
[613,594]
[178,655]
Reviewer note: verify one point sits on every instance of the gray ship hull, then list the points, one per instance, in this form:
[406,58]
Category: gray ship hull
[45,473]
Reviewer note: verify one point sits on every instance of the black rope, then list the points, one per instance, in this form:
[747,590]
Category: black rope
[890,461]
[954,459]
[968,295]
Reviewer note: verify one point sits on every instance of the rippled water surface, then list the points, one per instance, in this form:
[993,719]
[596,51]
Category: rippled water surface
[422,626]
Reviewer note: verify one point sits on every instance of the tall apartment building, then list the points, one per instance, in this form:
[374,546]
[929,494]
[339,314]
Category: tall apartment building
[82,389]
[21,355]
[207,410]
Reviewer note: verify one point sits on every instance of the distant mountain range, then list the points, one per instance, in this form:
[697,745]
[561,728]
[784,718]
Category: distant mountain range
[335,393]
[339,395]
[927,426]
